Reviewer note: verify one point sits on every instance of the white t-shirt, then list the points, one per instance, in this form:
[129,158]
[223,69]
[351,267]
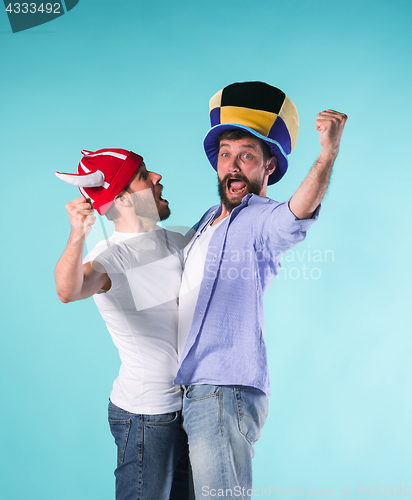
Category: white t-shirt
[195,259]
[140,311]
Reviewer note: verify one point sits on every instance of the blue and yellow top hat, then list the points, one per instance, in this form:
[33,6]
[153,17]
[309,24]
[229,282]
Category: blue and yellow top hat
[264,111]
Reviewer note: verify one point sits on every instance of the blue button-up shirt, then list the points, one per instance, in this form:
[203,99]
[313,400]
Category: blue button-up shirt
[226,343]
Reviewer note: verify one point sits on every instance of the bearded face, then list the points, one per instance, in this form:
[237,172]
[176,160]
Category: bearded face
[242,168]
[238,186]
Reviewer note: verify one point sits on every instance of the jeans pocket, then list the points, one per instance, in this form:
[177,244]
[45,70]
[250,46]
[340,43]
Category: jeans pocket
[200,392]
[120,431]
[162,419]
[252,412]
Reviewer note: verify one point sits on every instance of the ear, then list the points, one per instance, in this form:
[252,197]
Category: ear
[123,200]
[271,165]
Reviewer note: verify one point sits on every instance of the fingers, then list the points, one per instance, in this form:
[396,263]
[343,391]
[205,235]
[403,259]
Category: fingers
[80,211]
[332,112]
[84,209]
[88,223]
[90,220]
[332,115]
[330,124]
[80,205]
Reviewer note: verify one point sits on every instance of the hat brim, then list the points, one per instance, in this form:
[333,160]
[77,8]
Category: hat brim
[211,145]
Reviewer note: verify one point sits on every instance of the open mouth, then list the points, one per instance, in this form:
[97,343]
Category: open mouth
[160,196]
[236,186]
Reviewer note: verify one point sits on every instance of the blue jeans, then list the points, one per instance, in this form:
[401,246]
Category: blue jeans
[152,456]
[222,425]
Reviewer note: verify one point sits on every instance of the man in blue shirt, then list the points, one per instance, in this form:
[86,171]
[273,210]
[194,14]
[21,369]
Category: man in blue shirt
[229,265]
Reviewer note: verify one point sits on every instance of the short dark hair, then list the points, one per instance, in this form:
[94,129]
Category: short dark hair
[235,134]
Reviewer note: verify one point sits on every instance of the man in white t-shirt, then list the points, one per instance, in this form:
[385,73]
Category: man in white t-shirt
[134,277]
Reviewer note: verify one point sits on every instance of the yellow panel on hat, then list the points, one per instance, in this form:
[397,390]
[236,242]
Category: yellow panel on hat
[289,115]
[261,121]
[216,100]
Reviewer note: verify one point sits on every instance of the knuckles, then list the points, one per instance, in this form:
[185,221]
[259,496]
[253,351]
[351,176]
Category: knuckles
[76,207]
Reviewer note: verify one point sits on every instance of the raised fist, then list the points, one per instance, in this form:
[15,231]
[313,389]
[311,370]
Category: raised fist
[81,215]
[330,124]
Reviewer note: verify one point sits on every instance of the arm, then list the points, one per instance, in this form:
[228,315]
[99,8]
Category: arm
[312,190]
[73,280]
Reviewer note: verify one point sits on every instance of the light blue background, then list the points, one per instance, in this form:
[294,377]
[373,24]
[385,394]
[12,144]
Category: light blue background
[138,75]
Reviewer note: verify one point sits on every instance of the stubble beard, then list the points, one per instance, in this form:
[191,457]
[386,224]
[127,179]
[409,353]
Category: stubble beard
[150,207]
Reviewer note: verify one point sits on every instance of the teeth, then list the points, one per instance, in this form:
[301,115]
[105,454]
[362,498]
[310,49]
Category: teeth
[231,190]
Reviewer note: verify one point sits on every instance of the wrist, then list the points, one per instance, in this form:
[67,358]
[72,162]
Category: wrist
[77,236]
[328,153]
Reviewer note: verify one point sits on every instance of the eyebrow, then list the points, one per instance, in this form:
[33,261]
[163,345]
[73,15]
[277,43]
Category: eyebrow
[245,146]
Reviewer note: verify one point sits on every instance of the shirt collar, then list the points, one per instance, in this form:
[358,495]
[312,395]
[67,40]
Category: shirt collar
[249,199]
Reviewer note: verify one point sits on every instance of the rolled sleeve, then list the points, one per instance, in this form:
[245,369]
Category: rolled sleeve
[283,229]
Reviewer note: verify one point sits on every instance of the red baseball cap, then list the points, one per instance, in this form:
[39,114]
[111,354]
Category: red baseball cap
[102,175]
